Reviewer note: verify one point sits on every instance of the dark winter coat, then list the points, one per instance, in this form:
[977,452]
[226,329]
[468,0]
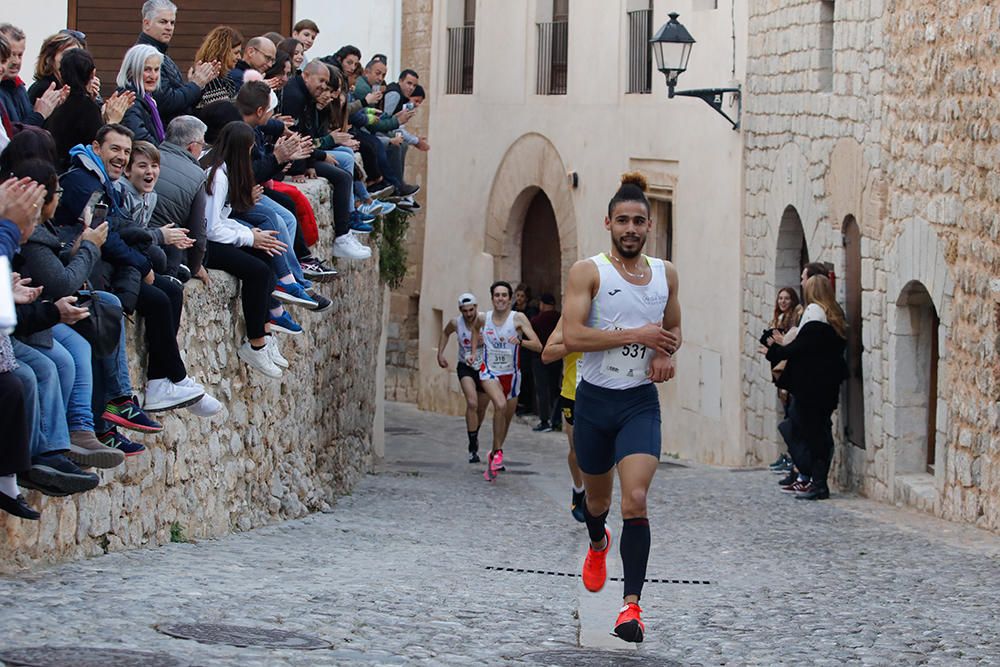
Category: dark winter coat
[815,368]
[175,97]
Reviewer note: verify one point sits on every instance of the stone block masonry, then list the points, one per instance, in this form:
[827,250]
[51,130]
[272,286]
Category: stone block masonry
[279,449]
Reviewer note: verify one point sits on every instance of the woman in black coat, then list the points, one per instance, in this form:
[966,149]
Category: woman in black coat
[812,376]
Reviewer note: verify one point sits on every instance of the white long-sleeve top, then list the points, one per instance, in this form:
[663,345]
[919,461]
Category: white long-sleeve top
[219,226]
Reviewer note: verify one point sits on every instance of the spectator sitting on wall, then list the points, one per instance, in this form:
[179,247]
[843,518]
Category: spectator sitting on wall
[50,55]
[296,51]
[300,102]
[258,54]
[140,75]
[78,119]
[306,31]
[174,97]
[14,95]
[180,192]
[223,45]
[278,75]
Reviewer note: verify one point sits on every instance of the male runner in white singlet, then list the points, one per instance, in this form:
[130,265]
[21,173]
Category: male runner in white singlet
[621,311]
[503,333]
[476,401]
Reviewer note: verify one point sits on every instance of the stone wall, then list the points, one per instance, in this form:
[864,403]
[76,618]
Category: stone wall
[904,142]
[279,449]
[403,345]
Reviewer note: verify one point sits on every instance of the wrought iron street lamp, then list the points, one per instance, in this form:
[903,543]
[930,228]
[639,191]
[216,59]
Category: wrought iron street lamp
[672,49]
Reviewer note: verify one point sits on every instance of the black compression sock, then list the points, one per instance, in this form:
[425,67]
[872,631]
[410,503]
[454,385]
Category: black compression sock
[473,441]
[634,550]
[595,524]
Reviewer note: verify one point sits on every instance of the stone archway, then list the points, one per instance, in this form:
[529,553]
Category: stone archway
[531,165]
[919,319]
[791,252]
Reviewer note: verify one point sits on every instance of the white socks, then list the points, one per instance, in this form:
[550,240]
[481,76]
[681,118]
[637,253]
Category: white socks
[8,486]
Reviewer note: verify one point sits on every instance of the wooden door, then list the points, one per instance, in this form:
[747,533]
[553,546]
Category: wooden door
[108,40]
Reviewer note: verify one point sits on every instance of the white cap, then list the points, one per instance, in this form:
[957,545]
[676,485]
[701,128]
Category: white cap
[466,299]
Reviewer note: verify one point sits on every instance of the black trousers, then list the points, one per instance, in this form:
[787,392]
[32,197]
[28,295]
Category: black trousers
[808,432]
[548,381]
[343,186]
[253,268]
[14,454]
[369,154]
[161,304]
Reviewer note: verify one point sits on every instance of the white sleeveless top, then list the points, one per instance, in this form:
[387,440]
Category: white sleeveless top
[501,354]
[619,304]
[465,343]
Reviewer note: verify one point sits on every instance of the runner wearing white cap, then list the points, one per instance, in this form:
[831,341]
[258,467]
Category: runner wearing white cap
[476,401]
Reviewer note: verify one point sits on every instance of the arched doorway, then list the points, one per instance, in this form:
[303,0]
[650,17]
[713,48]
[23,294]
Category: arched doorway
[914,356]
[791,254]
[854,388]
[541,259]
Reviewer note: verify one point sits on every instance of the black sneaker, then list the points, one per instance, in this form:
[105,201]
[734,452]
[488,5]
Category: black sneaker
[813,492]
[406,190]
[54,471]
[542,427]
[322,303]
[789,479]
[19,507]
[380,189]
[313,268]
[576,507]
[474,457]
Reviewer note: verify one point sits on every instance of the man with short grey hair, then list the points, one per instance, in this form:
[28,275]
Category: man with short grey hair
[174,98]
[14,94]
[180,192]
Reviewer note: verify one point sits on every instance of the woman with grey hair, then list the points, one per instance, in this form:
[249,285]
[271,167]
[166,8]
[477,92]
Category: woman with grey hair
[140,74]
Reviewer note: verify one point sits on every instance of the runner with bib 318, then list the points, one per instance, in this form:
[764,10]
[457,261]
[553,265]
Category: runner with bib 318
[621,311]
[502,333]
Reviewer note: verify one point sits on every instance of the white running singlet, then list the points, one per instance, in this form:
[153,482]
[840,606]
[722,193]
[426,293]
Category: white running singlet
[502,356]
[619,304]
[465,344]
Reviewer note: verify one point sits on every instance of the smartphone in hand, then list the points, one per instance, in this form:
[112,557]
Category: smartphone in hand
[100,215]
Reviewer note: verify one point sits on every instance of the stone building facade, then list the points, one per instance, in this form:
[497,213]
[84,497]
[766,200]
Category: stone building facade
[871,143]
[278,450]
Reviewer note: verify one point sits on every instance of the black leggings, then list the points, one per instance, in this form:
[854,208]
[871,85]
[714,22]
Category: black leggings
[253,268]
[14,456]
[161,304]
[342,184]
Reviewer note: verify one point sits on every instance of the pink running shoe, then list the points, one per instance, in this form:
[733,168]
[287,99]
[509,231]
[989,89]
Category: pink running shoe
[488,474]
[496,462]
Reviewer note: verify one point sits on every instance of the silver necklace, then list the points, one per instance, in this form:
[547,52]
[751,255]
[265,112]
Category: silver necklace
[637,276]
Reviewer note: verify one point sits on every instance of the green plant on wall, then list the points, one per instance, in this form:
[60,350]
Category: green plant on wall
[390,235]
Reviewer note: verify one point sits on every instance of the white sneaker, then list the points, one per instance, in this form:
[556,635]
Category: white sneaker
[259,360]
[207,406]
[348,247]
[274,352]
[166,395]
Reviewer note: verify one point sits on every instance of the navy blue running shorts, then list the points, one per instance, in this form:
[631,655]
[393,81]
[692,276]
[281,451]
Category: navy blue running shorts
[614,423]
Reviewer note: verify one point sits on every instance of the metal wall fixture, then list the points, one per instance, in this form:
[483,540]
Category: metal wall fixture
[672,49]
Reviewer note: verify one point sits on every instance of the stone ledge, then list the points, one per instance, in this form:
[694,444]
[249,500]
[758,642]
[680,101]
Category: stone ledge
[279,449]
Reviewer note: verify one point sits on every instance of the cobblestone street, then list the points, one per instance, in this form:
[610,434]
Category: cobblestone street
[397,574]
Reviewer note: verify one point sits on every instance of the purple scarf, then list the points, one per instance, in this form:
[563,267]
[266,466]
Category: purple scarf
[155,113]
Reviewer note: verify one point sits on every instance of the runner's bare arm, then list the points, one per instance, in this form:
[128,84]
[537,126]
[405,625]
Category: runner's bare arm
[530,338]
[663,367]
[578,337]
[446,333]
[672,312]
[555,349]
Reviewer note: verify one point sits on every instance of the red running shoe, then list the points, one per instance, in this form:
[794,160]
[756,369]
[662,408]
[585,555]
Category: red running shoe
[595,567]
[629,626]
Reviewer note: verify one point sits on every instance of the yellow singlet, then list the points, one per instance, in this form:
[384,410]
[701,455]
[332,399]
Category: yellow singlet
[571,376]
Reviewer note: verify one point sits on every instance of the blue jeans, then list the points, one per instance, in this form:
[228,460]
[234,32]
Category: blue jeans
[286,234]
[70,352]
[110,374]
[51,411]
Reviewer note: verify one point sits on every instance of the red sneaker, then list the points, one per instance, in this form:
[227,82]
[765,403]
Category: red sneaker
[595,567]
[629,626]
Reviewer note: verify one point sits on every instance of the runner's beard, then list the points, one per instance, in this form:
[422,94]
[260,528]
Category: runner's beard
[629,254]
